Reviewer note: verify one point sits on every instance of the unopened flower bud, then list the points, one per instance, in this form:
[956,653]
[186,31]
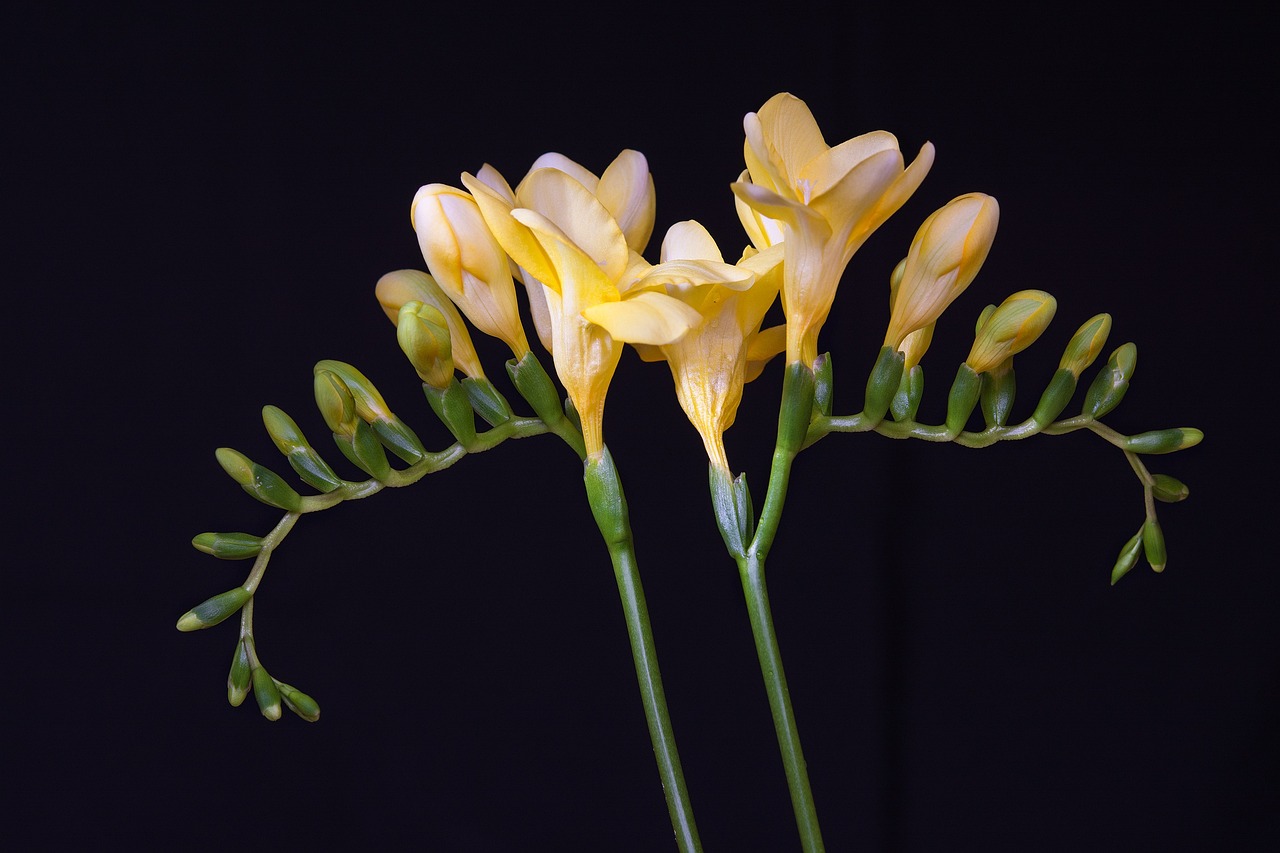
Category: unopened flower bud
[337,405]
[267,694]
[262,483]
[303,458]
[1111,383]
[423,335]
[1153,544]
[240,677]
[1085,344]
[1163,440]
[1128,558]
[298,702]
[1012,327]
[228,546]
[1169,489]
[396,288]
[213,610]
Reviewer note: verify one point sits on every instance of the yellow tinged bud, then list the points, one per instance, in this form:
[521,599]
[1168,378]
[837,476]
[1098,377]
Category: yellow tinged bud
[1011,328]
[337,406]
[423,334]
[944,258]
[1085,344]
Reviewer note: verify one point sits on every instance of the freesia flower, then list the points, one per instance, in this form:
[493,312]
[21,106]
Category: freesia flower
[945,256]
[1011,328]
[823,202]
[713,360]
[468,263]
[599,292]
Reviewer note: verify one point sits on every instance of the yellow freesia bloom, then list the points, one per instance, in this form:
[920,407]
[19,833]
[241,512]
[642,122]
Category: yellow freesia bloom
[396,288]
[468,263]
[599,292]
[726,349]
[823,202]
[945,255]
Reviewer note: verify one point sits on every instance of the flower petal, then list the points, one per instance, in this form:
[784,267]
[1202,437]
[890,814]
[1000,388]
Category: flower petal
[626,191]
[645,318]
[579,215]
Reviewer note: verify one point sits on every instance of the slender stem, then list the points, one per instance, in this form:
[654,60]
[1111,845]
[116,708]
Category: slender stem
[751,572]
[608,505]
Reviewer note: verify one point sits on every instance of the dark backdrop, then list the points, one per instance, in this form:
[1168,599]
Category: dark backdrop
[199,203]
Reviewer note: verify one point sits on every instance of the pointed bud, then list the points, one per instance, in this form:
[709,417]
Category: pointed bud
[1153,544]
[735,516]
[423,335]
[213,610]
[1128,558]
[1012,327]
[228,546]
[298,702]
[303,458]
[262,483]
[267,694]
[396,288]
[1163,440]
[1085,344]
[1111,383]
[943,260]
[336,404]
[1169,489]
[367,399]
[240,676]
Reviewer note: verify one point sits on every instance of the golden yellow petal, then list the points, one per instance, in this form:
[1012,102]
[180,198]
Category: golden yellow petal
[645,318]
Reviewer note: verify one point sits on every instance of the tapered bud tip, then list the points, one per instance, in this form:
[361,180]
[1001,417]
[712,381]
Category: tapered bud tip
[205,542]
[1125,359]
[238,466]
[1012,327]
[298,702]
[282,429]
[334,400]
[1169,489]
[212,611]
[1191,437]
[1086,344]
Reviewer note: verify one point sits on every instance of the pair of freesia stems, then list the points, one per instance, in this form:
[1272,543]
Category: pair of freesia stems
[574,240]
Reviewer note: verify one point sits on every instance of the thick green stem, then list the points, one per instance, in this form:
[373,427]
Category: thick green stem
[609,506]
[751,572]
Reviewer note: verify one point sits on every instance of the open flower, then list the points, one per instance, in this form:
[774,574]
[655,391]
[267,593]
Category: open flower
[467,262]
[726,349]
[948,250]
[599,292]
[823,202]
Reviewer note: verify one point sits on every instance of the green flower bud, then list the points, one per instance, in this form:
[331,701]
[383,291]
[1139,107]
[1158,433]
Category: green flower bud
[907,401]
[298,702]
[822,381]
[998,389]
[1128,558]
[240,676]
[1111,383]
[283,430]
[965,390]
[1085,344]
[486,401]
[423,334]
[337,405]
[228,546]
[267,694]
[303,458]
[883,383]
[213,610]
[1153,544]
[368,402]
[1168,489]
[1055,397]
[262,483]
[735,516]
[1011,328]
[1163,440]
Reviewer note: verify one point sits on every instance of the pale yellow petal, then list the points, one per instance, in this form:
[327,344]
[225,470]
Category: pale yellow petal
[582,282]
[579,215]
[791,134]
[646,318]
[689,239]
[626,190]
[831,165]
[516,239]
[561,163]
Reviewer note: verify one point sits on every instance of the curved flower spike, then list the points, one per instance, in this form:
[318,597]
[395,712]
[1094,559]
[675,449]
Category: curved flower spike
[711,363]
[599,292]
[397,288]
[467,262]
[827,200]
[945,255]
[1011,328]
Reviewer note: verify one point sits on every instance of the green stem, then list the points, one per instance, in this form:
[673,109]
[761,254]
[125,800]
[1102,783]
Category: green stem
[609,506]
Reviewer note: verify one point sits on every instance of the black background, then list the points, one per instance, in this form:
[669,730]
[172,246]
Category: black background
[199,203]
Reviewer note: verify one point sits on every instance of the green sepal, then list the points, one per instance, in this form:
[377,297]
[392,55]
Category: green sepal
[906,402]
[364,450]
[241,675]
[883,383]
[486,401]
[822,384]
[213,610]
[604,494]
[963,397]
[1169,489]
[536,387]
[1055,397]
[796,411]
[453,408]
[313,470]
[228,546]
[267,694]
[1163,440]
[1153,544]
[571,412]
[998,390]
[735,515]
[397,437]
[1112,382]
[298,702]
[1128,558]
